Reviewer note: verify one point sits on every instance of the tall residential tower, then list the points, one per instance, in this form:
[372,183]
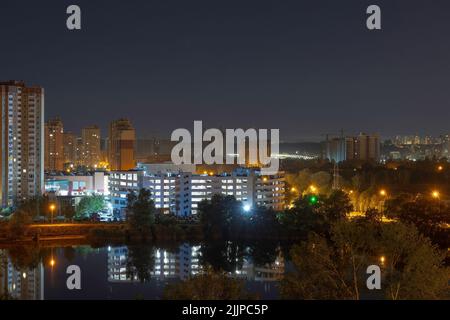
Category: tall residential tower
[54,145]
[22,139]
[122,139]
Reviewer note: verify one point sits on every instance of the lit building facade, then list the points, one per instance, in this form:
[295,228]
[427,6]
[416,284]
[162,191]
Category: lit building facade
[67,184]
[90,146]
[22,136]
[179,192]
[54,145]
[121,144]
[121,183]
[70,154]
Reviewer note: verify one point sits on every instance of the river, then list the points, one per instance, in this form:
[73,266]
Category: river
[137,271]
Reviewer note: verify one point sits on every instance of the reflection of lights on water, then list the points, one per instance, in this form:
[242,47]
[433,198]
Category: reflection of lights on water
[109,248]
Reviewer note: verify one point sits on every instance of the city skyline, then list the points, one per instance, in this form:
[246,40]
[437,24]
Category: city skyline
[307,68]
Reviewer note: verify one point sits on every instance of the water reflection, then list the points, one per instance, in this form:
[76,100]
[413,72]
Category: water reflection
[129,272]
[19,281]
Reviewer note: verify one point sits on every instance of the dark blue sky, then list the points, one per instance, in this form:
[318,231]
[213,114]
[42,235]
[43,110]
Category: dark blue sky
[306,67]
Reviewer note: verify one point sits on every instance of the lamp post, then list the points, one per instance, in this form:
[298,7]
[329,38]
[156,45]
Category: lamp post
[383,194]
[52,209]
[436,195]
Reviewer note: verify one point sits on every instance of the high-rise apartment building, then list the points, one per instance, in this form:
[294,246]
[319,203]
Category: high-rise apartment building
[54,145]
[363,147]
[367,147]
[90,149]
[69,148]
[22,138]
[122,137]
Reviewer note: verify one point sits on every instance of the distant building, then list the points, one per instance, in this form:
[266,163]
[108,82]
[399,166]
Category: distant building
[22,135]
[70,154]
[153,150]
[54,145]
[90,148]
[363,147]
[367,147]
[121,142]
[335,149]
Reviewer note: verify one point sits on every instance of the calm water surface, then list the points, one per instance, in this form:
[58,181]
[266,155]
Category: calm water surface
[136,272]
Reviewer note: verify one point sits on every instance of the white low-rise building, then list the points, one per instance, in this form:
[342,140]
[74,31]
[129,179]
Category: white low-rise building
[180,193]
[83,184]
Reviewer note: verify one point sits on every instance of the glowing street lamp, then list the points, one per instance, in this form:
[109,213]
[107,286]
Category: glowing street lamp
[52,209]
[383,193]
[313,188]
[440,168]
[435,194]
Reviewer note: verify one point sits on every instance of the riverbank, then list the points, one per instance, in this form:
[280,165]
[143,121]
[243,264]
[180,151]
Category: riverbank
[98,232]
[121,233]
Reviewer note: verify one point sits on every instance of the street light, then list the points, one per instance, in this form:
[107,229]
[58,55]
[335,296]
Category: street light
[436,195]
[52,209]
[313,188]
[383,193]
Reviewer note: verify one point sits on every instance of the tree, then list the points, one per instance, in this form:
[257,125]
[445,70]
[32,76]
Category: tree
[428,215]
[18,222]
[140,210]
[373,215]
[207,286]
[220,216]
[303,217]
[336,206]
[264,220]
[89,205]
[316,213]
[334,268]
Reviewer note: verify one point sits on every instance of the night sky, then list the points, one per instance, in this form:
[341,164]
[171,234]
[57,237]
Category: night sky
[305,67]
